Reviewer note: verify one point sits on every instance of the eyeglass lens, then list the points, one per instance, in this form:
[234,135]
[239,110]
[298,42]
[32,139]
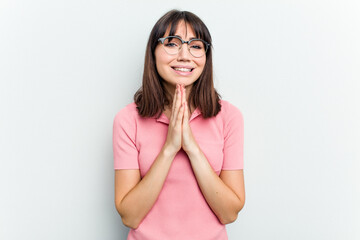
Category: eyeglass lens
[173,45]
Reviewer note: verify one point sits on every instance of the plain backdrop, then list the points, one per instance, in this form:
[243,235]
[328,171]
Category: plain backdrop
[291,67]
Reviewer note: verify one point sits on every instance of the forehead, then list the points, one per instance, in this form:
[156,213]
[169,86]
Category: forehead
[182,29]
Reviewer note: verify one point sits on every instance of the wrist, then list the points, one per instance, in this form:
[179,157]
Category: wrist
[193,151]
[168,151]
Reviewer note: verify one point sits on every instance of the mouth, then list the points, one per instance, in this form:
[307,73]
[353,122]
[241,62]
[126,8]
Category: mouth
[182,69]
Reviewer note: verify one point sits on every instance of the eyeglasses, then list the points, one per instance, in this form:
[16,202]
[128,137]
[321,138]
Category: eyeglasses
[173,44]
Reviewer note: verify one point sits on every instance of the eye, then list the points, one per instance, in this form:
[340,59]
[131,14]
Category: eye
[196,46]
[170,44]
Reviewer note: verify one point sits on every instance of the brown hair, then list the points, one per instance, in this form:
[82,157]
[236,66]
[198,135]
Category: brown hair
[151,98]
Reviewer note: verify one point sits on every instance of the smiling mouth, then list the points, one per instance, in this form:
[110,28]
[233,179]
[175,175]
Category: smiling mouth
[183,69]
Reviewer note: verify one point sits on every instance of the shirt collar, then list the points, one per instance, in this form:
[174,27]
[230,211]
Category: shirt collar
[164,119]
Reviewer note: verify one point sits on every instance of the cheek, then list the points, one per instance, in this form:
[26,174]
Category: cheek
[201,63]
[161,67]
[161,61]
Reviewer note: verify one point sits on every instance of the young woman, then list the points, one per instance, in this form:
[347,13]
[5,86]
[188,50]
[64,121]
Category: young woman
[178,148]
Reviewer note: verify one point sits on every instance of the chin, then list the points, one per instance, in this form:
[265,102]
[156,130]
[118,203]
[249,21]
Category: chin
[185,82]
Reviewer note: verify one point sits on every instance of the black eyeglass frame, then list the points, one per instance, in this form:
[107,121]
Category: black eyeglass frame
[207,45]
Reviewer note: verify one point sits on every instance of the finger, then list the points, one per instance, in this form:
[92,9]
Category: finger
[180,115]
[177,105]
[186,112]
[184,95]
[183,99]
[174,98]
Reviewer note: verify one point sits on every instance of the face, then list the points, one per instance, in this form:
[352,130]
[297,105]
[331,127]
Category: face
[175,68]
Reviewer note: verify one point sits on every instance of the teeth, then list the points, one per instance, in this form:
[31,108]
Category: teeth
[183,69]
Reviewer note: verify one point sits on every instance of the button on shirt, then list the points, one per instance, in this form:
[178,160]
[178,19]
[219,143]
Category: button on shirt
[181,211]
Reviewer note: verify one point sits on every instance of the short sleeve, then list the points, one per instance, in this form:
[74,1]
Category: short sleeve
[233,138]
[124,144]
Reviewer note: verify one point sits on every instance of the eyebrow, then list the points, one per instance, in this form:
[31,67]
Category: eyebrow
[189,39]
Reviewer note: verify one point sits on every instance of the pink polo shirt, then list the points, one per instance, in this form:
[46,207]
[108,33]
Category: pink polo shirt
[181,211]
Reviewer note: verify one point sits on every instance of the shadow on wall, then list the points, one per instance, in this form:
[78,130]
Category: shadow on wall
[123,231]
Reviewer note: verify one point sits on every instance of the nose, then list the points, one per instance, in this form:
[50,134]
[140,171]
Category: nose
[184,53]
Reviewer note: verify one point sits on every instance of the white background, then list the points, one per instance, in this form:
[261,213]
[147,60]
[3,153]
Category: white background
[291,67]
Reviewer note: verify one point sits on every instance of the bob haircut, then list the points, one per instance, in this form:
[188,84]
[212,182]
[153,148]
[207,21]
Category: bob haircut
[151,98]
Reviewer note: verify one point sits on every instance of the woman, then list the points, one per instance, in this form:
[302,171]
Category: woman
[178,148]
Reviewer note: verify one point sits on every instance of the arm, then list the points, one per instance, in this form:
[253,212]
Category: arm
[225,194]
[134,197]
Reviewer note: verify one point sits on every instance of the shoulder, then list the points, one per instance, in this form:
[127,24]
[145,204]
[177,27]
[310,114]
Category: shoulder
[128,110]
[230,111]
[128,113]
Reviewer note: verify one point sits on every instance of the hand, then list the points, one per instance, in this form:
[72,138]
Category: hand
[173,139]
[188,142]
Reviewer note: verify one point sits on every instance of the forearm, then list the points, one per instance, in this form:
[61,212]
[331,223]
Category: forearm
[222,200]
[138,202]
